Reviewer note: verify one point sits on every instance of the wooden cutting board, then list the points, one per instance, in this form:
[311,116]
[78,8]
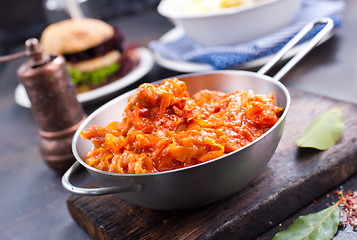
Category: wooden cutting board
[293,178]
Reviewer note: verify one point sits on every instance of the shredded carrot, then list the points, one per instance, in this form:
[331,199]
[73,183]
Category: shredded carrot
[163,128]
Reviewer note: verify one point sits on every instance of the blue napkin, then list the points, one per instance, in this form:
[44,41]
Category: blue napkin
[224,57]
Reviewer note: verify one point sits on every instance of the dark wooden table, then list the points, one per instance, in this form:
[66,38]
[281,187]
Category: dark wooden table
[32,200]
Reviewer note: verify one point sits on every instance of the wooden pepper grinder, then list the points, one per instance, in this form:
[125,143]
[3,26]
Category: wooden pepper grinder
[54,104]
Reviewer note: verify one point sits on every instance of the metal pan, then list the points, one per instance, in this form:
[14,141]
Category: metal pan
[206,182]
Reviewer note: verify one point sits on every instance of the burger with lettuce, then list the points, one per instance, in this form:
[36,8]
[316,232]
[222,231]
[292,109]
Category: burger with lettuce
[93,49]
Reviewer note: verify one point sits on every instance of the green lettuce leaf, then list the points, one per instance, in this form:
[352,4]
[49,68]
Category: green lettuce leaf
[94,78]
[324,131]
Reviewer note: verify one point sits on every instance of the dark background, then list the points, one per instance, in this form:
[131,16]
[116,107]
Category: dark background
[22,19]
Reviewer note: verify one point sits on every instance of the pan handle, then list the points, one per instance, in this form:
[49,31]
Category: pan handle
[134,187]
[313,42]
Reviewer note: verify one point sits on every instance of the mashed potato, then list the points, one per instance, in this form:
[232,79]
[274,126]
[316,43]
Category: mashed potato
[206,6]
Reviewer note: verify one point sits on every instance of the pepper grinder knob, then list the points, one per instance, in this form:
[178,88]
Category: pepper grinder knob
[33,48]
[54,104]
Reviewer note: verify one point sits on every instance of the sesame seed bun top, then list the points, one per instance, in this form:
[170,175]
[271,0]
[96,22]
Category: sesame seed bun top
[75,35]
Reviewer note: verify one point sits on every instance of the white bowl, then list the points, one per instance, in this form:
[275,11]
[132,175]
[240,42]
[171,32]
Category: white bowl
[234,25]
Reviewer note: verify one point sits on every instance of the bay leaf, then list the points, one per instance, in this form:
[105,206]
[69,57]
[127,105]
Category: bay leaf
[321,225]
[324,131]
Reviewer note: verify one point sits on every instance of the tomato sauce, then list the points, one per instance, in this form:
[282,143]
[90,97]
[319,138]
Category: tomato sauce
[163,128]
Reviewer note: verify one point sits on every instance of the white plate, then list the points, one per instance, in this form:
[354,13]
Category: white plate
[181,66]
[146,62]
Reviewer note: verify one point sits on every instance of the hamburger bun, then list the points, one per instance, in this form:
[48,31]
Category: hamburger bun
[75,35]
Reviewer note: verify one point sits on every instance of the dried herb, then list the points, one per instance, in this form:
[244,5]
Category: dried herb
[320,225]
[348,207]
[324,131]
